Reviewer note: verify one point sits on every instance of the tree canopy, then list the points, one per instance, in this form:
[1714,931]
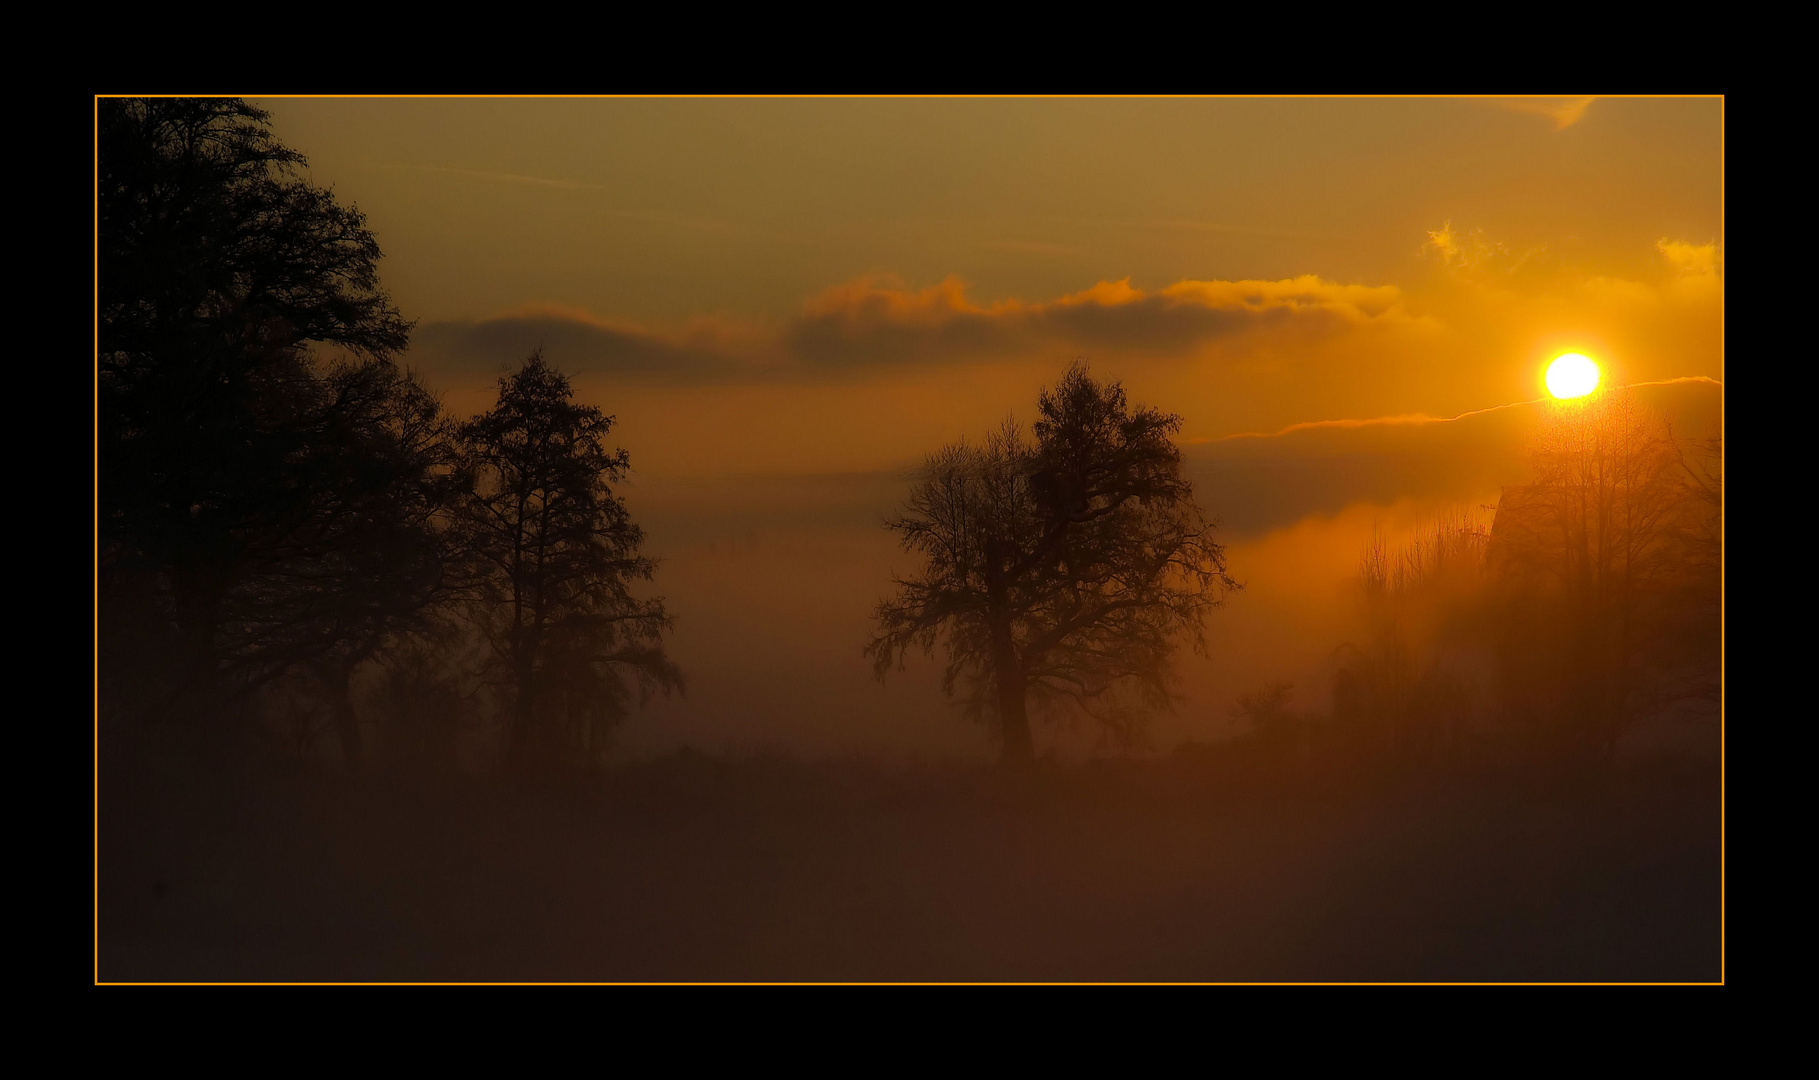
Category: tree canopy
[554,556]
[1062,568]
[271,501]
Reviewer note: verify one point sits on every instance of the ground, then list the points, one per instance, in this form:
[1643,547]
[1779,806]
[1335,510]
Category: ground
[763,868]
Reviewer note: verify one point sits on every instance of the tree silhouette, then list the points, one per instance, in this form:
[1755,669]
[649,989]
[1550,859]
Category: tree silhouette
[1401,689]
[1608,562]
[1060,569]
[1696,602]
[270,504]
[1273,721]
[371,566]
[554,554]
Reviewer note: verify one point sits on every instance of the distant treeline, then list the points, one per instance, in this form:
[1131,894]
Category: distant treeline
[1590,605]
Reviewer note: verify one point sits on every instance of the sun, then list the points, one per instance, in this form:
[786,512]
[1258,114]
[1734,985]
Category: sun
[1572,375]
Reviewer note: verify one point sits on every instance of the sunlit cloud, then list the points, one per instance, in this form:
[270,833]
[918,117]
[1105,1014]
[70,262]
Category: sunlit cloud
[874,371]
[1461,251]
[1563,111]
[1265,480]
[874,322]
[1351,424]
[1442,243]
[1691,258]
[879,319]
[1417,419]
[1475,250]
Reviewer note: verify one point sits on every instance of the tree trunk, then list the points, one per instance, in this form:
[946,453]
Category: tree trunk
[197,595]
[353,746]
[334,673]
[524,708]
[1013,716]
[1007,668]
[1014,725]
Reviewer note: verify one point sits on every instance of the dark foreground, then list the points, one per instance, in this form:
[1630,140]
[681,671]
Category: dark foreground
[693,869]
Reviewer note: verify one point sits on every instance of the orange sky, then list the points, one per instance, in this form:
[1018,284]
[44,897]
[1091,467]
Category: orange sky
[853,263]
[792,288]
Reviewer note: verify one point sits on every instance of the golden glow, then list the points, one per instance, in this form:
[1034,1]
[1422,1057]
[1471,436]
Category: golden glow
[1572,375]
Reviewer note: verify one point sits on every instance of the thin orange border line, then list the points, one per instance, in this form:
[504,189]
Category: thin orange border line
[1723,744]
[97,519]
[1723,731]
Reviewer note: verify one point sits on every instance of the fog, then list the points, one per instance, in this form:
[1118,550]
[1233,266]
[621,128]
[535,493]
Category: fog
[935,540]
[774,579]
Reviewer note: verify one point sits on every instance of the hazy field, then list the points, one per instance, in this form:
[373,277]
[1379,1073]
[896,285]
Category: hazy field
[696,868]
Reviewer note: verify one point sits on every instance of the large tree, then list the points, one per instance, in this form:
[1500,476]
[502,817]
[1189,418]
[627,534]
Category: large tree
[555,556]
[240,472]
[369,566]
[1063,568]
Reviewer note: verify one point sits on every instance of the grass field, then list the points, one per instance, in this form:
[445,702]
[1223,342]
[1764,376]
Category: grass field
[696,868]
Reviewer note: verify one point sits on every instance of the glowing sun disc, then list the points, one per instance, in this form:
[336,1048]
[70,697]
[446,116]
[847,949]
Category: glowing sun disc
[1572,375]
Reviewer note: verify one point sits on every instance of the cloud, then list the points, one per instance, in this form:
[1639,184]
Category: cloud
[1705,259]
[878,319]
[1398,420]
[1443,243]
[876,367]
[1476,250]
[1259,482]
[578,343]
[1563,111]
[877,322]
[1696,385]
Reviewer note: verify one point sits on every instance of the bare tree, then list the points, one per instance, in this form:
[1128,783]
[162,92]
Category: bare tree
[1695,602]
[1398,689]
[1061,569]
[1592,556]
